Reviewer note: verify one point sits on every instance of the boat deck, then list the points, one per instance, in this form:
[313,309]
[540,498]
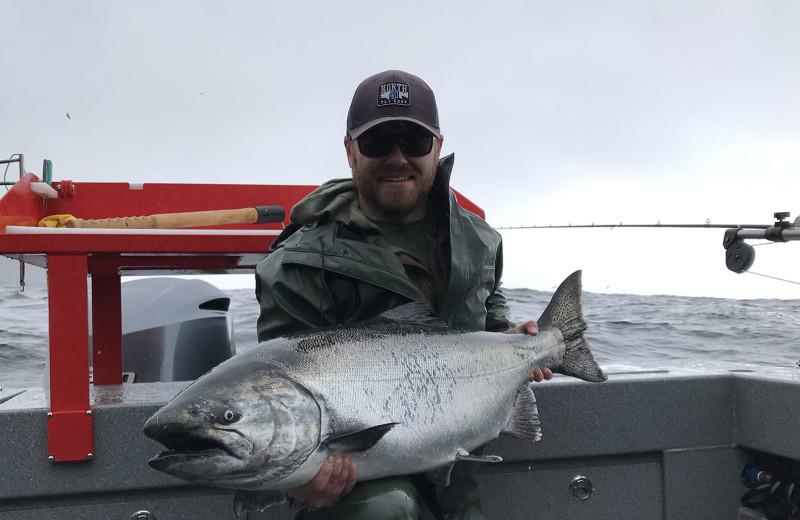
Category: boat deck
[654,444]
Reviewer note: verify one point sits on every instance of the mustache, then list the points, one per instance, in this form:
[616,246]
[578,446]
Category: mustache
[399,172]
[403,171]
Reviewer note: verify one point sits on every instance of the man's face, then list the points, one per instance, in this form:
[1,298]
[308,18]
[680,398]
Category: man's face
[394,165]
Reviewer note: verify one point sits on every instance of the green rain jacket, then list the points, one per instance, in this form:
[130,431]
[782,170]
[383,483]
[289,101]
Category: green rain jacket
[331,266]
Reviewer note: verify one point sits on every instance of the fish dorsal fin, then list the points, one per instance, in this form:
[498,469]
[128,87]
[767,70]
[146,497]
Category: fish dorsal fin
[256,501]
[418,313]
[361,440]
[524,422]
[565,313]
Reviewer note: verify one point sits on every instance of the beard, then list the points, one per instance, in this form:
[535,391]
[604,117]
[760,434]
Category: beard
[394,203]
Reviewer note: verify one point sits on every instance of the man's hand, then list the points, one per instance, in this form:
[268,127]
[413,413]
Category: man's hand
[335,479]
[531,327]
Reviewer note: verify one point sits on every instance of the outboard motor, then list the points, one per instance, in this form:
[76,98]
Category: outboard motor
[173,329]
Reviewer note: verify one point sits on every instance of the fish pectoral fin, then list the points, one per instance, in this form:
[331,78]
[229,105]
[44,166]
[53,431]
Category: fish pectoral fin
[361,440]
[441,475]
[252,501]
[465,456]
[524,422]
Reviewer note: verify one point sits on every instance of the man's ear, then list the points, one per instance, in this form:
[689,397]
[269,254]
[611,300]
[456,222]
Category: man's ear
[348,144]
[438,144]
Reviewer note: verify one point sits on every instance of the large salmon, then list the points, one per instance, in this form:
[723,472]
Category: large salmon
[403,393]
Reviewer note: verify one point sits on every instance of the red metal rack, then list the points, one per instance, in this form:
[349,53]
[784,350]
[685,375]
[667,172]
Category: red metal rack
[73,256]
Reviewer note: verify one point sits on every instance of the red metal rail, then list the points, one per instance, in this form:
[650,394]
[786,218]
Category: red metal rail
[72,257]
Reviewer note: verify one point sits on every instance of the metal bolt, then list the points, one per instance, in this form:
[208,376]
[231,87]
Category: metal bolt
[51,458]
[89,456]
[49,415]
[581,488]
[88,413]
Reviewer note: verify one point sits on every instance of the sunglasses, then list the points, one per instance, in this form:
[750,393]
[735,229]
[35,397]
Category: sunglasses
[380,144]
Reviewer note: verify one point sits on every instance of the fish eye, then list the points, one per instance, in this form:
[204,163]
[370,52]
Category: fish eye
[229,416]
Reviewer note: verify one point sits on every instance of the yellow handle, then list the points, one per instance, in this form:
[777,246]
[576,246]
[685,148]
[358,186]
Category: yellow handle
[255,215]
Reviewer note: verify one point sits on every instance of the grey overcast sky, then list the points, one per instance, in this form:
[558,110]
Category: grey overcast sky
[575,111]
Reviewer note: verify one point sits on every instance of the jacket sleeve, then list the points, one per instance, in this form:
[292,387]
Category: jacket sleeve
[497,309]
[295,297]
[291,298]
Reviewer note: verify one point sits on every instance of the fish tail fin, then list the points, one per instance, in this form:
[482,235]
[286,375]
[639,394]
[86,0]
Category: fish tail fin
[565,313]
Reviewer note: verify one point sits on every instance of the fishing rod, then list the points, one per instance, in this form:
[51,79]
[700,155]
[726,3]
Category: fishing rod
[658,224]
[739,255]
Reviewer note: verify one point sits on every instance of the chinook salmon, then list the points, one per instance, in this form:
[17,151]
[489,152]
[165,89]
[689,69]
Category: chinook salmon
[402,393]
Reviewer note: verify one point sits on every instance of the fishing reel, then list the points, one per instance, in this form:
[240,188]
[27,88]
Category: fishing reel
[739,255]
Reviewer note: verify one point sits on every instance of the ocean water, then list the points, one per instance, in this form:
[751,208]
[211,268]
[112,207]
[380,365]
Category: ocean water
[624,330]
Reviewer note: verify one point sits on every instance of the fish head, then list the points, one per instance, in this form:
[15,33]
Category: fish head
[242,426]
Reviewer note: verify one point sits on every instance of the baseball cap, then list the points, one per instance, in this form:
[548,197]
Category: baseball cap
[392,95]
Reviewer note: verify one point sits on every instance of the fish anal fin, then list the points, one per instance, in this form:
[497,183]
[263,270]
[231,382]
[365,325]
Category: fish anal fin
[524,422]
[441,475]
[251,501]
[464,455]
[361,440]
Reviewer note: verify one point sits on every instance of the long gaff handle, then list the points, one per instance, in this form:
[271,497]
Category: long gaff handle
[255,215]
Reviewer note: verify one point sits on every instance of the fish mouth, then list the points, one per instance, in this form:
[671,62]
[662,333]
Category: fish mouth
[171,457]
[185,446]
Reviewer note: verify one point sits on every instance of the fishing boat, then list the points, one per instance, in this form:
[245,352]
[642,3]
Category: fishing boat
[646,444]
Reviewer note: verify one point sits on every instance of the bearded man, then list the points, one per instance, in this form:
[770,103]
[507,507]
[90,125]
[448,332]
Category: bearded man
[391,235]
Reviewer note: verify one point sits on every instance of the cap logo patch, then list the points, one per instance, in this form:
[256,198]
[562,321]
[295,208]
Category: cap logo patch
[393,94]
